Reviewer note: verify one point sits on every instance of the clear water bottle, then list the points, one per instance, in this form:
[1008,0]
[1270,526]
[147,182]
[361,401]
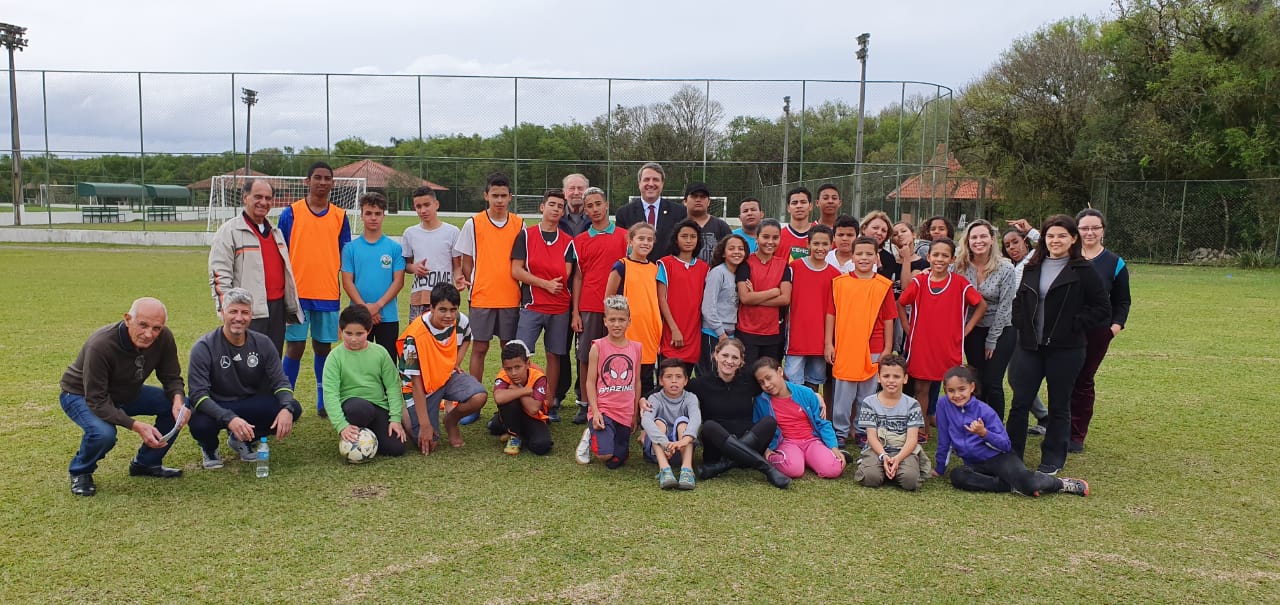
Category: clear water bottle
[264,458]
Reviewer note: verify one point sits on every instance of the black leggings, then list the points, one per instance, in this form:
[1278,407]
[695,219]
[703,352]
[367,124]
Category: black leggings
[990,371]
[363,414]
[1004,473]
[534,434]
[760,346]
[713,437]
[386,334]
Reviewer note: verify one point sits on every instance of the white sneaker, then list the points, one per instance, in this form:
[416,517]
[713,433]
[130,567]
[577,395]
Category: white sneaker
[246,453]
[583,453]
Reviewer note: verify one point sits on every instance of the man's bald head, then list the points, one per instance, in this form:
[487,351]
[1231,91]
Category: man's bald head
[145,320]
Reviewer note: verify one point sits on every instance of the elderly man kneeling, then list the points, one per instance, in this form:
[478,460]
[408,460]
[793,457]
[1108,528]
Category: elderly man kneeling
[237,383]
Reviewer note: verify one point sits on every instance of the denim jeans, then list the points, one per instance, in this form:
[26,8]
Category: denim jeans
[100,435]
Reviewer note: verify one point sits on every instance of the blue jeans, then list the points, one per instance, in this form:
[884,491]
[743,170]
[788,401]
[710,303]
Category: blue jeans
[100,435]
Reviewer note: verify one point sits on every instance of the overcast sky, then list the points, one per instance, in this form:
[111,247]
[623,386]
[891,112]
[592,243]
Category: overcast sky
[947,43]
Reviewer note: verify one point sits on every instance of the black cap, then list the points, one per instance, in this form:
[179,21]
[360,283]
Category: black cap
[693,188]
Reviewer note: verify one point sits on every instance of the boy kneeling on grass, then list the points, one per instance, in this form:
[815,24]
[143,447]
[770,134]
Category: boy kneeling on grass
[521,394]
[612,386]
[360,384]
[892,421]
[975,432]
[432,347]
[671,419]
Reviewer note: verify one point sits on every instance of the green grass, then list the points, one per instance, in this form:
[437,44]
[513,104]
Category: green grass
[1184,503]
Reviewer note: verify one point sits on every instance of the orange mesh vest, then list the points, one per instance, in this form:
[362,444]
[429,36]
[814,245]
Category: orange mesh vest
[492,286]
[534,376]
[313,251]
[434,358]
[640,286]
[857,304]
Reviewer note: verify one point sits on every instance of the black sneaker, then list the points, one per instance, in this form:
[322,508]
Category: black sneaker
[553,414]
[581,416]
[1049,469]
[1075,447]
[82,485]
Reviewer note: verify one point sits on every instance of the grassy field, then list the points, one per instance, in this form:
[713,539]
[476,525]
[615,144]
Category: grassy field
[1184,503]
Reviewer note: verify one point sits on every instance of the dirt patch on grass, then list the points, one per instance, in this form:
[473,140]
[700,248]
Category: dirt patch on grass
[369,492]
[612,589]
[357,586]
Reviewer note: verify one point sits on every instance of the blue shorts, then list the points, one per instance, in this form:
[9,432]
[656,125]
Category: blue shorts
[671,436]
[613,440]
[810,369]
[323,326]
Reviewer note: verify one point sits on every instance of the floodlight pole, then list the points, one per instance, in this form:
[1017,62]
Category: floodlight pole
[786,139]
[250,99]
[863,41]
[11,36]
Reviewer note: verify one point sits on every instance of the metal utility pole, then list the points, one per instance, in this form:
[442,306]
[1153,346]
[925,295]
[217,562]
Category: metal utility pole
[12,37]
[863,41]
[786,140]
[250,99]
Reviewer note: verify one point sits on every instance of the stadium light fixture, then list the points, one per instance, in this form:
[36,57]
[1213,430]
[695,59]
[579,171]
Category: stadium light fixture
[864,41]
[14,38]
[250,99]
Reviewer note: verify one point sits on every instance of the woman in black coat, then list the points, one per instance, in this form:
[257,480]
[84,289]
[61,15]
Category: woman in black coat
[726,397]
[1060,300]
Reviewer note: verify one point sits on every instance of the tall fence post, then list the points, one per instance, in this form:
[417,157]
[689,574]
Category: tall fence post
[706,129]
[328,143]
[804,88]
[608,140]
[44,112]
[515,138]
[1182,215]
[419,80]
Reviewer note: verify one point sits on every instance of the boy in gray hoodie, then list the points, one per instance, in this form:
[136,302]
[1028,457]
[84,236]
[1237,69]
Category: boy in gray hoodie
[671,418]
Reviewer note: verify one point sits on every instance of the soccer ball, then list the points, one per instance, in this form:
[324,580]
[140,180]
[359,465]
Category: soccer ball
[362,449]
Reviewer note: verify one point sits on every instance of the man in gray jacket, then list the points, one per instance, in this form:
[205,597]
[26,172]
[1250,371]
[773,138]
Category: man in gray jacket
[248,253]
[236,382]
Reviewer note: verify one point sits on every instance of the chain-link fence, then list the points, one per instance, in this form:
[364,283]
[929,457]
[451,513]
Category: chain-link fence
[183,128]
[1190,221]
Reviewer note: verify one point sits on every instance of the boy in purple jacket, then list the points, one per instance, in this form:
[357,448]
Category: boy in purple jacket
[975,432]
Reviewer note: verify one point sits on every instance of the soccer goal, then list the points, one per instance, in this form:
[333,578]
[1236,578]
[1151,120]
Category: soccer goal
[226,197]
[57,194]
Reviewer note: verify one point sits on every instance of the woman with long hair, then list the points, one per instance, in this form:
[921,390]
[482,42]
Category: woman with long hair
[989,347]
[1060,300]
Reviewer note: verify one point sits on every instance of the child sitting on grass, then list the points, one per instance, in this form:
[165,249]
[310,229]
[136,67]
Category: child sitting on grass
[671,419]
[613,391]
[804,437]
[892,422]
[974,431]
[361,383]
[521,394]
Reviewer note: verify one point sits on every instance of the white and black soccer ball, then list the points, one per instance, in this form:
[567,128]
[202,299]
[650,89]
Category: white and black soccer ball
[363,449]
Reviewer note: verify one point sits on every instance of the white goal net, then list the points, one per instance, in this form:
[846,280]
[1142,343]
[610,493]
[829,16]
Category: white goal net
[226,196]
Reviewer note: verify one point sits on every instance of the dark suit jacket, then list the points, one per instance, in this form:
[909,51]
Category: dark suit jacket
[668,214]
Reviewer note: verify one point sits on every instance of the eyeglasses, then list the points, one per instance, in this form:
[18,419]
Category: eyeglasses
[1091,229]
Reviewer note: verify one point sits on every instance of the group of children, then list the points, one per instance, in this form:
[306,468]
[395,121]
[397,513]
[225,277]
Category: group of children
[634,315]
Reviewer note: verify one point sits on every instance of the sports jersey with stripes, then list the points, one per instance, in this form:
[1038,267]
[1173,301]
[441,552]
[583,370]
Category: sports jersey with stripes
[434,351]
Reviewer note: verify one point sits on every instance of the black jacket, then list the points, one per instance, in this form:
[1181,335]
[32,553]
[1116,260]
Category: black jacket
[668,213]
[728,403]
[1077,303]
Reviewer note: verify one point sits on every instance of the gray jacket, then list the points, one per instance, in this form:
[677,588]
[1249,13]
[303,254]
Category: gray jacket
[235,261]
[668,411]
[720,301]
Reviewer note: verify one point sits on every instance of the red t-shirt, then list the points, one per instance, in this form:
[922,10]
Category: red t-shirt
[272,262]
[936,335]
[793,245]
[685,284]
[810,303]
[792,420]
[757,319]
[596,255]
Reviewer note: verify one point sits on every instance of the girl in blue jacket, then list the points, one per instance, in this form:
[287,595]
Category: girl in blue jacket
[804,437]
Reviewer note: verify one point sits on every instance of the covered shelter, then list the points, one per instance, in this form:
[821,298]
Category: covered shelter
[943,188]
[396,185]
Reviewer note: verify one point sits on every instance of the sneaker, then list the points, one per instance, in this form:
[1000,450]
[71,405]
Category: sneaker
[687,481]
[1075,447]
[469,418]
[513,446]
[581,416]
[1049,469]
[553,414]
[847,455]
[246,453]
[1037,429]
[583,453]
[211,461]
[1079,487]
[667,479]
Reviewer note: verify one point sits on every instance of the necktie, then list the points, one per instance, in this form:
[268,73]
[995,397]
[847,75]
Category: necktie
[651,220]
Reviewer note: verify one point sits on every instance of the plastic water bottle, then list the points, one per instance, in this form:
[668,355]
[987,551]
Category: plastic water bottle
[264,458]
